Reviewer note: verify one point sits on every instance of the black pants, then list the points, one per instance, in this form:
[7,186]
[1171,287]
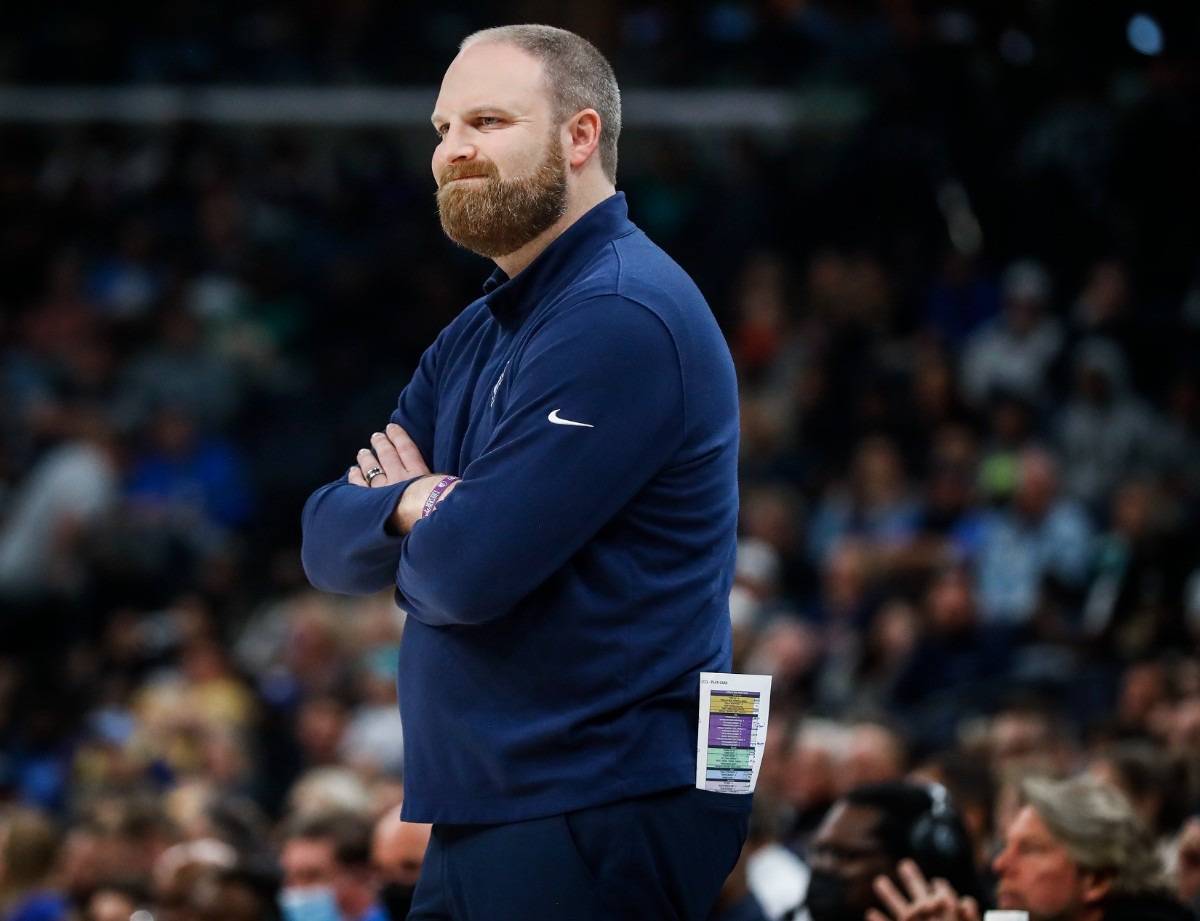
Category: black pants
[658,858]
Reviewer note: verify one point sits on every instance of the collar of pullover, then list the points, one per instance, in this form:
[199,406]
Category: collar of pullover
[511,299]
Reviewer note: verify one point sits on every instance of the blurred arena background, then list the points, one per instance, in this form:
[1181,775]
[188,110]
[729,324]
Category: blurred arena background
[955,248]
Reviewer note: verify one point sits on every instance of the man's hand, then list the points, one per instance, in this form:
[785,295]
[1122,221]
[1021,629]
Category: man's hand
[393,454]
[936,901]
[393,458]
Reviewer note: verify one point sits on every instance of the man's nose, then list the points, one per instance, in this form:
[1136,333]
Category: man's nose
[456,146]
[1000,862]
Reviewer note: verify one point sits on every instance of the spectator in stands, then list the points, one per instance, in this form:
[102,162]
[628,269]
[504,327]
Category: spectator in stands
[1142,771]
[1016,352]
[875,752]
[960,298]
[1105,432]
[397,854]
[1075,852]
[1038,541]
[959,662]
[244,892]
[116,900]
[1134,605]
[46,526]
[182,871]
[869,831]
[810,778]
[876,506]
[29,888]
[179,369]
[1027,731]
[326,860]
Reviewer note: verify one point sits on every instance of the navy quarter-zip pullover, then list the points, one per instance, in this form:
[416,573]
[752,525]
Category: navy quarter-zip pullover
[564,598]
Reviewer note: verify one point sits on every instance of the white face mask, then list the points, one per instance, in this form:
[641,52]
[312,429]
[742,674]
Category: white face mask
[308,903]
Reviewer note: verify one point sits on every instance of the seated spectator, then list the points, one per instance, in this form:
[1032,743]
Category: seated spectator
[186,479]
[1135,598]
[52,512]
[182,871]
[1016,351]
[972,787]
[869,831]
[326,860]
[809,781]
[958,662]
[397,853]
[1035,547]
[876,505]
[950,513]
[1076,851]
[29,888]
[960,298]
[1151,781]
[861,676]
[875,752]
[116,900]
[1029,732]
[244,892]
[1010,426]
[1105,432]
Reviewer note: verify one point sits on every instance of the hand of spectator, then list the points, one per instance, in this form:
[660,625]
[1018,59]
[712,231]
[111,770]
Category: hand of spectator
[393,454]
[936,901]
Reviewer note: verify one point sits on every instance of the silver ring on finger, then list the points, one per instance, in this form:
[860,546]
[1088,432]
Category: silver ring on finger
[372,473]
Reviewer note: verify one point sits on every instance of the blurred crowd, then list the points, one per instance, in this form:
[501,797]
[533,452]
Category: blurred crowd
[967,331]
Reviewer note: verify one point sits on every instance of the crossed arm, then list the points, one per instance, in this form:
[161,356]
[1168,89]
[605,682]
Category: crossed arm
[400,459]
[532,492]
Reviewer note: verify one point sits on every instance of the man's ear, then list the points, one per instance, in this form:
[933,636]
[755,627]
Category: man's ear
[1096,884]
[583,136]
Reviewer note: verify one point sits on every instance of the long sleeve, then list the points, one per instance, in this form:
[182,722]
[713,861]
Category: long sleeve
[594,410]
[566,595]
[346,547]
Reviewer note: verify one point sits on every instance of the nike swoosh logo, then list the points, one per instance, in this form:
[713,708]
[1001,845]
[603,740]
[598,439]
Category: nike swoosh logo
[557,420]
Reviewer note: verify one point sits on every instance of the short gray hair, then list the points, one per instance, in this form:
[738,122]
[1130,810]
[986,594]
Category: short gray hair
[577,75]
[1100,830]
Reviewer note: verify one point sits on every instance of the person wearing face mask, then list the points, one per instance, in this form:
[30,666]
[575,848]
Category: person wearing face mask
[868,831]
[327,873]
[397,852]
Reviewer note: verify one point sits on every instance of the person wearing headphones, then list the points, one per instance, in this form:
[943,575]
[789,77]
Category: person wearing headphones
[869,831]
[1076,851]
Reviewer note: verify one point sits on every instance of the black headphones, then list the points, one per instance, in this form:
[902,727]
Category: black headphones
[938,836]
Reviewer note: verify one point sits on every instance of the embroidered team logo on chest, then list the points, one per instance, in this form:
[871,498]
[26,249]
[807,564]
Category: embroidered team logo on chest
[496,386]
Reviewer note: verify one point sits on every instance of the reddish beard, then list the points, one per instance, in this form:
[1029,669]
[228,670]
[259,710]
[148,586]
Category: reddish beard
[494,217]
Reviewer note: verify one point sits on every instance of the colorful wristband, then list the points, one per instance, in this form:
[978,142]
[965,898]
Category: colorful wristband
[435,495]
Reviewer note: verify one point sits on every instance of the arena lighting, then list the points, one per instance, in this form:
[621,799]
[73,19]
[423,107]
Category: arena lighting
[1145,35]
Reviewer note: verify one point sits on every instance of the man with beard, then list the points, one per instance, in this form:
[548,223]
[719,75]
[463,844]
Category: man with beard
[872,829]
[1076,851]
[555,503]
